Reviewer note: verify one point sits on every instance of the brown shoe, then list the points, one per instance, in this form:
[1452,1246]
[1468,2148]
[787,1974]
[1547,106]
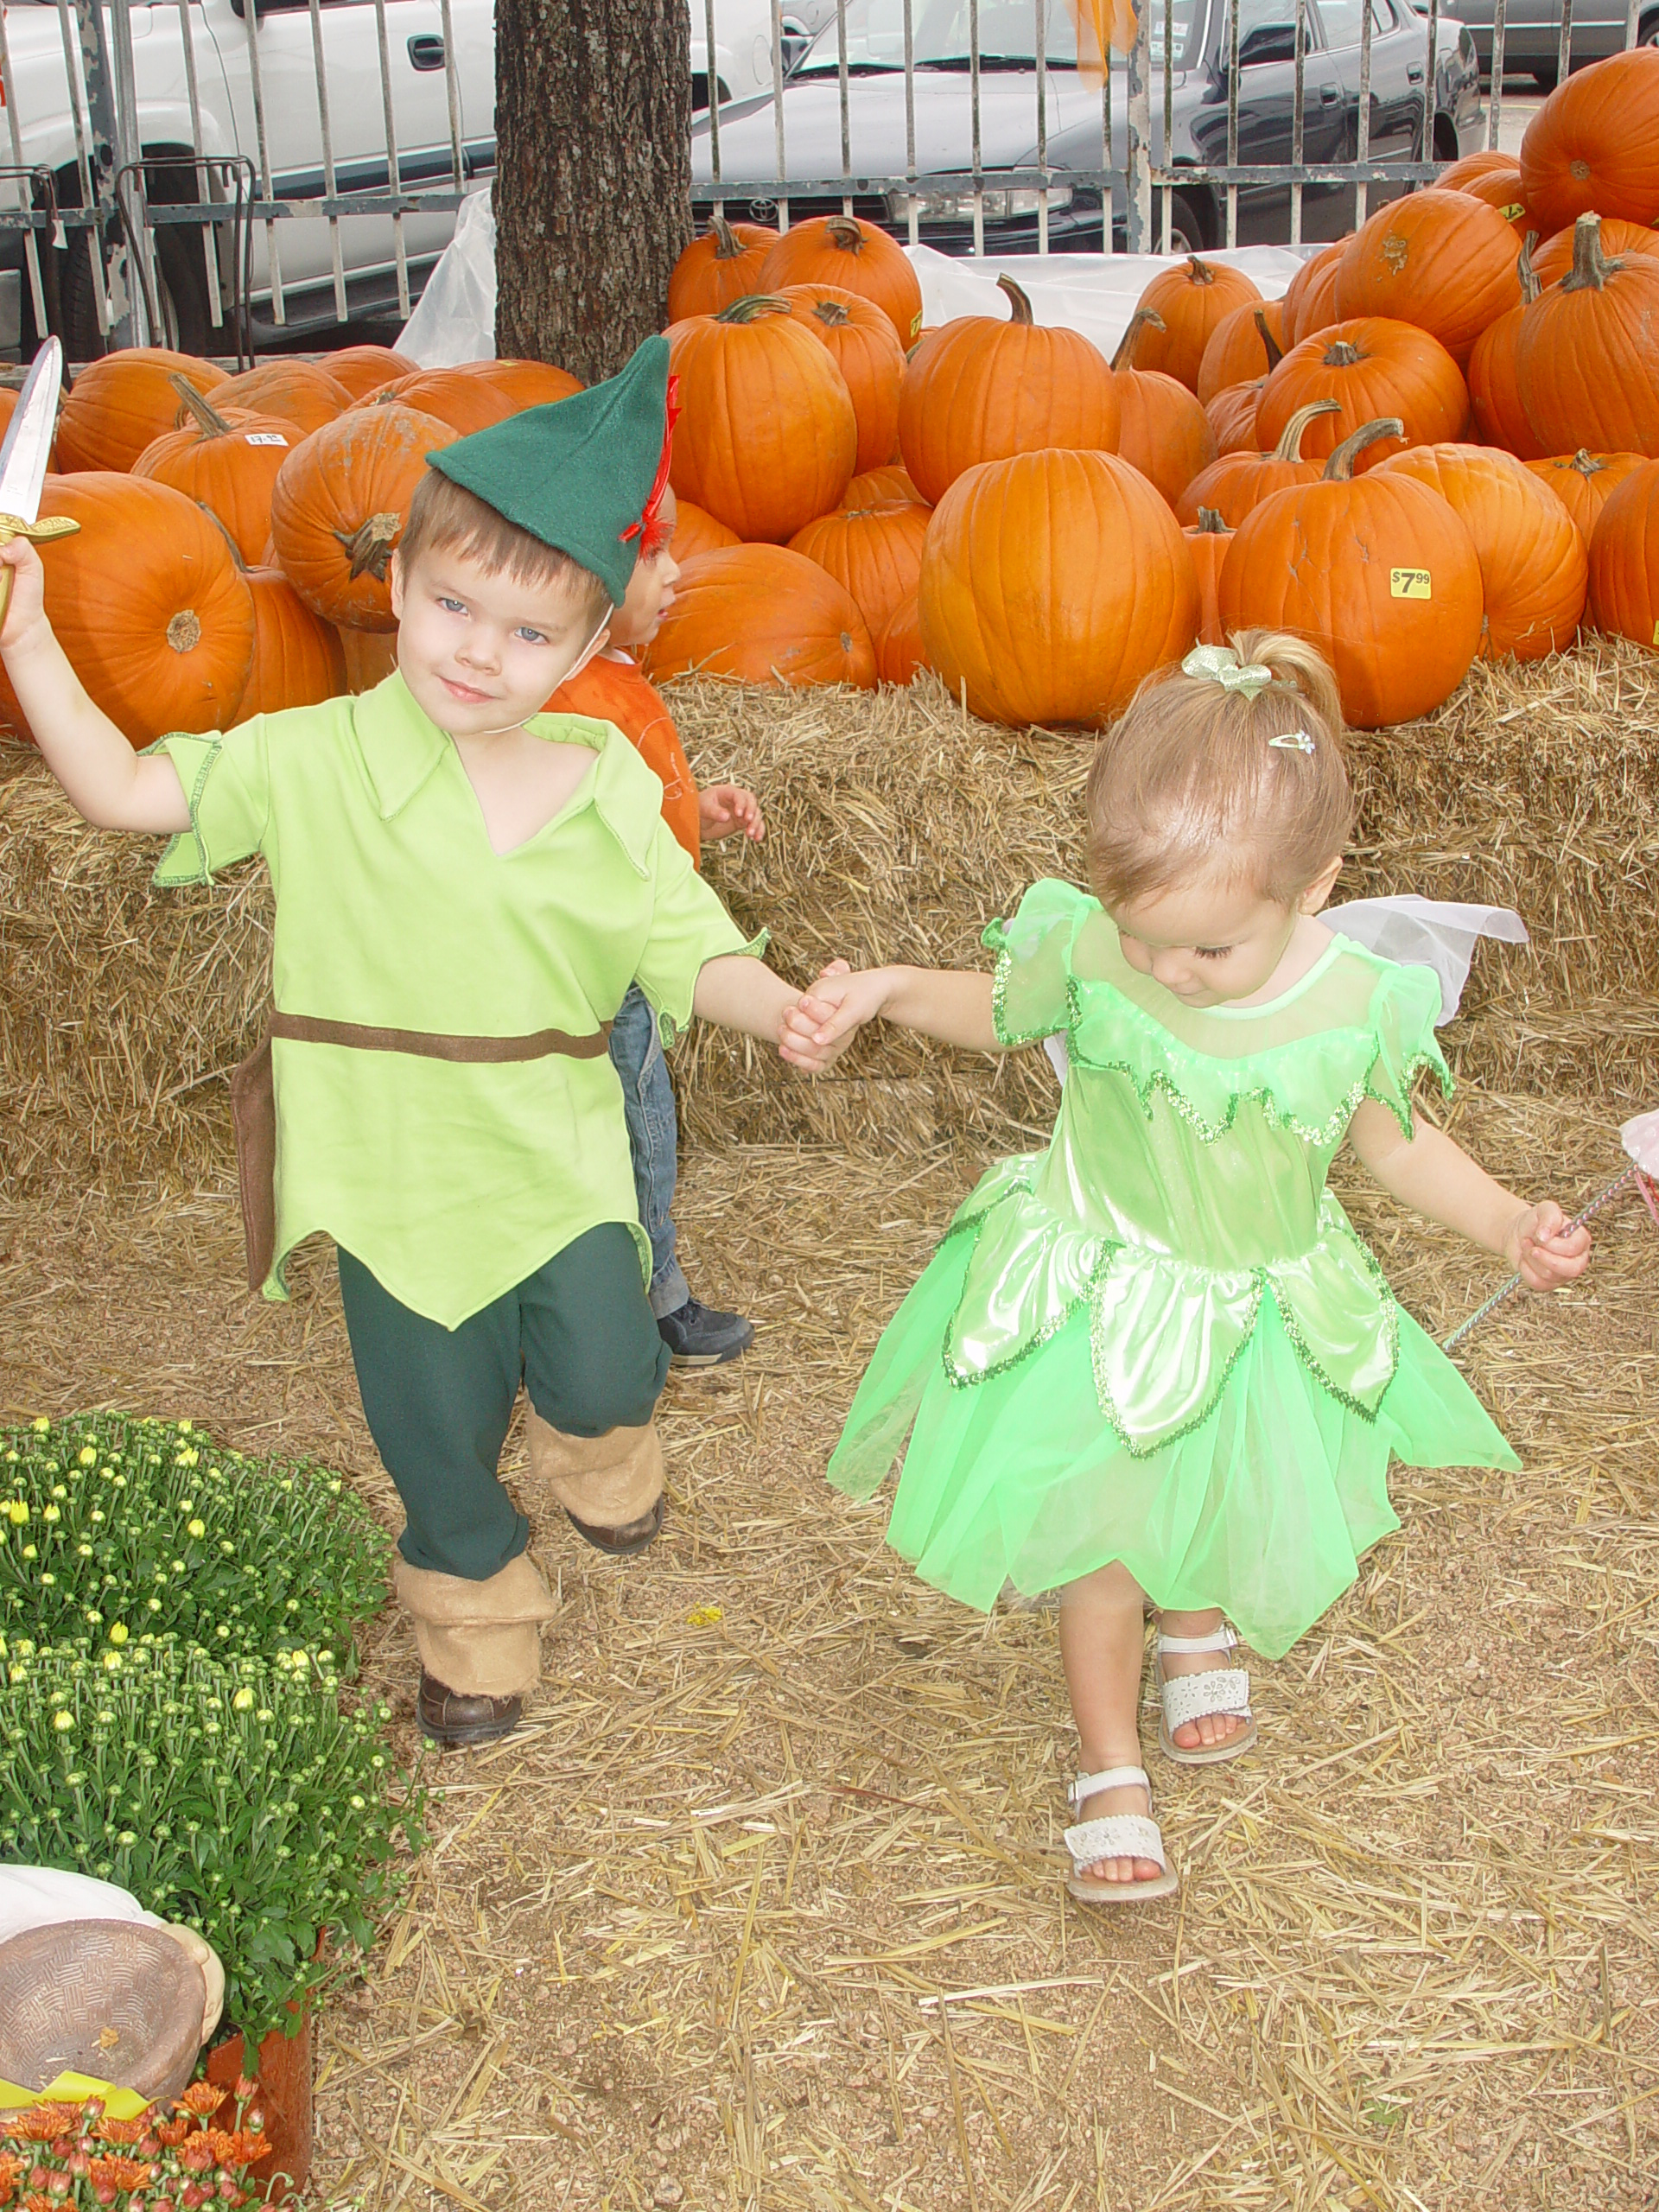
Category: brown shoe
[633,1536]
[450,1719]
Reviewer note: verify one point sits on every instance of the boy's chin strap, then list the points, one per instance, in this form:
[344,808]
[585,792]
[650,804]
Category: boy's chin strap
[580,661]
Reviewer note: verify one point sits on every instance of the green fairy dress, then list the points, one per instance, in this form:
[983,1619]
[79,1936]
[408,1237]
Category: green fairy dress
[1161,1341]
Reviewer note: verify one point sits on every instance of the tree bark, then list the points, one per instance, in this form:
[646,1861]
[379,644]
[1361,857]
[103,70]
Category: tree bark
[592,186]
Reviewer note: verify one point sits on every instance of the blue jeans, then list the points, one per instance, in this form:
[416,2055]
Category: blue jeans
[654,1139]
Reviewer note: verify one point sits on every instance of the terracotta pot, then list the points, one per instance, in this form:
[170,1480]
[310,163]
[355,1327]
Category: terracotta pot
[283,2074]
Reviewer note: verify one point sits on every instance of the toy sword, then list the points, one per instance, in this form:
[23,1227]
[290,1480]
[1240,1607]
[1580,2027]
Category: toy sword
[23,459]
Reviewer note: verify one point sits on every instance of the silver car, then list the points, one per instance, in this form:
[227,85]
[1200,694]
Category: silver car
[1532,33]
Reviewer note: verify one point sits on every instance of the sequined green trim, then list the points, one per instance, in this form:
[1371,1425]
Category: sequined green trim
[1103,1396]
[974,1221]
[960,1378]
[1390,1309]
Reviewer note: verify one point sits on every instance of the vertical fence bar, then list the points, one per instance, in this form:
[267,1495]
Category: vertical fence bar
[1039,26]
[204,188]
[1138,184]
[711,93]
[128,160]
[394,161]
[776,108]
[1495,105]
[1232,117]
[31,239]
[452,90]
[83,121]
[273,251]
[1298,121]
[1363,117]
[1109,190]
[104,129]
[914,224]
[1631,16]
[973,125]
[1169,121]
[1431,77]
[846,118]
[326,123]
[1564,44]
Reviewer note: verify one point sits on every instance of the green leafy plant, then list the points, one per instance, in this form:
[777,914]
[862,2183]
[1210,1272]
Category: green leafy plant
[233,1794]
[112,1528]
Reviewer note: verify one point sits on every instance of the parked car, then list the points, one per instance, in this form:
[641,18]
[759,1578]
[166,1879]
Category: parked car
[1532,34]
[1201,43]
[743,44]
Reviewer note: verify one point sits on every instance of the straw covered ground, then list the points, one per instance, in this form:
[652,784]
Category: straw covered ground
[684,1940]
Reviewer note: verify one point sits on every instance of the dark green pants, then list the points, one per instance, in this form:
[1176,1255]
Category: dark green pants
[578,1333]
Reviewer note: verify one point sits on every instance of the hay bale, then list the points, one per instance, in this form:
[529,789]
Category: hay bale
[899,826]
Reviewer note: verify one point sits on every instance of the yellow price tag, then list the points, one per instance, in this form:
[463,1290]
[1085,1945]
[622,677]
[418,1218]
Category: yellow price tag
[1409,584]
[1514,209]
[1655,633]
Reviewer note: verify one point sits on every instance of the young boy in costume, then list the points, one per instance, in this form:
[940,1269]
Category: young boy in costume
[613,688]
[465,889]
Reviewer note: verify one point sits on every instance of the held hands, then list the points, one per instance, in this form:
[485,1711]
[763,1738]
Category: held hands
[724,809]
[26,605]
[817,1029]
[1542,1250]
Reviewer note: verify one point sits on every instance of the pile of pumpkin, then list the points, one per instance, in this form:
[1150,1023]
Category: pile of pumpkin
[235,531]
[1442,442]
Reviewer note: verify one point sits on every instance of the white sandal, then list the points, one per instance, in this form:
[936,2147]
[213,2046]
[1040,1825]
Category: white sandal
[1116,1836]
[1214,1691]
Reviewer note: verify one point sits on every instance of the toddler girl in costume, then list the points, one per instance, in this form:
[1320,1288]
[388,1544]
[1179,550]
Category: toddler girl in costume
[1155,1364]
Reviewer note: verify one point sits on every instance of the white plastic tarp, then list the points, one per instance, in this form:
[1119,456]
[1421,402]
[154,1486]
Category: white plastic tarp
[1093,293]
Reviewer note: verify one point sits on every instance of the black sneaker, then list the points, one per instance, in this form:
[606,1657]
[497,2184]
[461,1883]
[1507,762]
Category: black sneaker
[697,1336]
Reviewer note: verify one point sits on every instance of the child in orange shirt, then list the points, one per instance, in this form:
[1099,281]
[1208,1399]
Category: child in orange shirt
[612,689]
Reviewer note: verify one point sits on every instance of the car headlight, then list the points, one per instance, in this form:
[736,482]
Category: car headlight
[1001,203]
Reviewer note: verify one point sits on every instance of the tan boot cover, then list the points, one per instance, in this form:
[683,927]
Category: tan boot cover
[480,1639]
[606,1481]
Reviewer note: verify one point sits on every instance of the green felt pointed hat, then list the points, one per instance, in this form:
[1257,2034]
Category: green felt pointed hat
[581,474]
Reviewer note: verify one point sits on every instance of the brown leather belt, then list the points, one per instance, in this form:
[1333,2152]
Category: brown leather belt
[430,1044]
[253,1100]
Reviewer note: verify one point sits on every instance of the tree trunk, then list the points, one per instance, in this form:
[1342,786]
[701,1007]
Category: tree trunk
[593,204]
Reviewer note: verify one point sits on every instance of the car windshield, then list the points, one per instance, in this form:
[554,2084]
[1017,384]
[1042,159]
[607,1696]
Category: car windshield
[1008,35]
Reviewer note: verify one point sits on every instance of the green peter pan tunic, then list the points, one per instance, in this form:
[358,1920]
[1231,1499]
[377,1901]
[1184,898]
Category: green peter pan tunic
[451,1182]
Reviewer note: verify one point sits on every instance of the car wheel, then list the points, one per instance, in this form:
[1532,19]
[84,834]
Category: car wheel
[1647,31]
[1544,76]
[1188,228]
[180,289]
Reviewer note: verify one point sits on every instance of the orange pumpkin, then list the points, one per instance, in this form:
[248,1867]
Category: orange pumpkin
[1376,569]
[1533,570]
[762,615]
[1443,261]
[1459,175]
[477,394]
[873,487]
[1552,260]
[1051,583]
[898,648]
[1373,367]
[1311,296]
[1188,302]
[1207,541]
[147,602]
[229,461]
[875,555]
[863,346]
[1586,354]
[1593,146]
[1496,414]
[718,268]
[363,369]
[1231,416]
[1244,345]
[1625,560]
[340,506]
[768,437]
[1239,481]
[696,530]
[1584,482]
[371,656]
[302,392]
[979,390]
[1162,430]
[856,256]
[297,658]
[123,402]
[1499,185]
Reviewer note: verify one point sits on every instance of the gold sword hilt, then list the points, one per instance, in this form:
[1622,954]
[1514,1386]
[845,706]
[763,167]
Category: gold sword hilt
[38,533]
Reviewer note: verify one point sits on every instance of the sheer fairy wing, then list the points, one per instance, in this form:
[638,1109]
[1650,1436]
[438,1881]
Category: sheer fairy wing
[1437,933]
[1640,1138]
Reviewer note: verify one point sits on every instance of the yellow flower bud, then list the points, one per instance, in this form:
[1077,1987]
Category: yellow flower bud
[197,1528]
[88,1458]
[241,1700]
[118,1633]
[61,1721]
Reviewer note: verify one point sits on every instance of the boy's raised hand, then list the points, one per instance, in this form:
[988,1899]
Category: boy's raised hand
[724,809]
[1543,1251]
[26,605]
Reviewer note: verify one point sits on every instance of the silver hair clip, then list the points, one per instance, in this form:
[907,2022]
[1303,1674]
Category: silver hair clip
[1295,741]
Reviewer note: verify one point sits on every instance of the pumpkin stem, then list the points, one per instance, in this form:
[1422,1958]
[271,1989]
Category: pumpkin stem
[1198,272]
[753,304]
[845,231]
[1339,469]
[1531,289]
[1142,319]
[831,314]
[1342,355]
[207,419]
[1275,351]
[184,630]
[236,550]
[1289,447]
[369,545]
[1590,271]
[1586,464]
[1212,523]
[727,244]
[1019,305]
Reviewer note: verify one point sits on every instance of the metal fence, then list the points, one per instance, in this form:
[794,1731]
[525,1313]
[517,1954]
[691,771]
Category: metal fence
[194,188]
